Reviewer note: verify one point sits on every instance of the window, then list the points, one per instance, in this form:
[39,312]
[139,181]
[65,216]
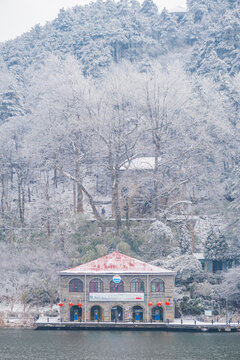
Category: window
[96,285]
[75,285]
[137,285]
[157,285]
[116,287]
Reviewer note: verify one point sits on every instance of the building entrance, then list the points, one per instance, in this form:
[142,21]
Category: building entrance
[75,313]
[96,313]
[117,313]
[157,314]
[137,313]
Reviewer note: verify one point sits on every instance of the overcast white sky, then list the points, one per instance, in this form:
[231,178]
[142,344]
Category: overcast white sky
[18,16]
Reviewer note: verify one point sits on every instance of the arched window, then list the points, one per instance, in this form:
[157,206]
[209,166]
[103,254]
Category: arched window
[137,285]
[76,285]
[96,285]
[157,285]
[116,287]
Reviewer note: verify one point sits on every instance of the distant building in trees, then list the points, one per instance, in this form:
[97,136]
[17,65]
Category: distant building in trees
[210,265]
[178,11]
[137,188]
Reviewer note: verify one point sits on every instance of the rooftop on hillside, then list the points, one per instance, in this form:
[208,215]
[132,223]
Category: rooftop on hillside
[178,9]
[141,163]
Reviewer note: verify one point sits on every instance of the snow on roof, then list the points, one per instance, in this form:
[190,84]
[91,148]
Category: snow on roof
[116,263]
[141,163]
[199,256]
[178,9]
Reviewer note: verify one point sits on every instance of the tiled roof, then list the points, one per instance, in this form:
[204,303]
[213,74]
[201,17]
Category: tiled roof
[116,263]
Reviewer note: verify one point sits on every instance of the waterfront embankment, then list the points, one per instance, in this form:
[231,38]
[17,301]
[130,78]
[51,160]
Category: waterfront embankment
[178,325]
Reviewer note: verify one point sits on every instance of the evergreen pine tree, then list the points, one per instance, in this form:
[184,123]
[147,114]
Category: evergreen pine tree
[149,8]
[216,247]
[185,241]
[10,105]
[233,197]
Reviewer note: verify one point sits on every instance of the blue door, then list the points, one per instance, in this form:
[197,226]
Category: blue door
[75,315]
[157,316]
[96,315]
[137,316]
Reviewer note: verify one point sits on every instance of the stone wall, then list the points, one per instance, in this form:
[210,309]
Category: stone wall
[106,306]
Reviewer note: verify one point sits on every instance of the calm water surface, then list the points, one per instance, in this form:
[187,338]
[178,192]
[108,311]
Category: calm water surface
[117,345]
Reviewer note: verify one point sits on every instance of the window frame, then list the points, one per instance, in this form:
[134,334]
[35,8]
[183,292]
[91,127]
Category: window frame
[138,285]
[75,285]
[96,283]
[154,285]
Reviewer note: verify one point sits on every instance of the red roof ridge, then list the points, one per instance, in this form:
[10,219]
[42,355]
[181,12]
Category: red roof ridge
[102,257]
[115,262]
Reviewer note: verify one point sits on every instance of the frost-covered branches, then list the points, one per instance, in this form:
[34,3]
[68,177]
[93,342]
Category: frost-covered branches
[161,237]
[230,286]
[185,241]
[216,247]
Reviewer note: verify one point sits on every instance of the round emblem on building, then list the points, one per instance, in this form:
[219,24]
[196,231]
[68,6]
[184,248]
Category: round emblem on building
[116,279]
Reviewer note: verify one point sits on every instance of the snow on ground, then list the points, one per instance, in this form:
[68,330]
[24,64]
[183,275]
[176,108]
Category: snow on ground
[18,318]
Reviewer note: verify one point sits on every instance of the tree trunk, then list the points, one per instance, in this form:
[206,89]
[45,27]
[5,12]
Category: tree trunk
[193,236]
[115,200]
[11,230]
[55,177]
[155,181]
[96,214]
[62,242]
[79,197]
[127,213]
[74,197]
[21,196]
[3,196]
[115,185]
[47,197]
[29,194]
[23,203]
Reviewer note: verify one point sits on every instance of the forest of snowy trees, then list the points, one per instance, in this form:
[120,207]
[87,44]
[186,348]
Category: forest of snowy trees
[85,95]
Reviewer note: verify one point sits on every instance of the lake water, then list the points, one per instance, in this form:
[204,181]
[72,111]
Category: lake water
[117,345]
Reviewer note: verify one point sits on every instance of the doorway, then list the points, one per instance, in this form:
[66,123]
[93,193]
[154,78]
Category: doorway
[75,313]
[117,313]
[137,313]
[96,313]
[157,313]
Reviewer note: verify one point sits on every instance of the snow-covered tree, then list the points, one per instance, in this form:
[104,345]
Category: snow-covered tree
[186,266]
[161,237]
[185,240]
[11,95]
[216,246]
[229,288]
[115,120]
